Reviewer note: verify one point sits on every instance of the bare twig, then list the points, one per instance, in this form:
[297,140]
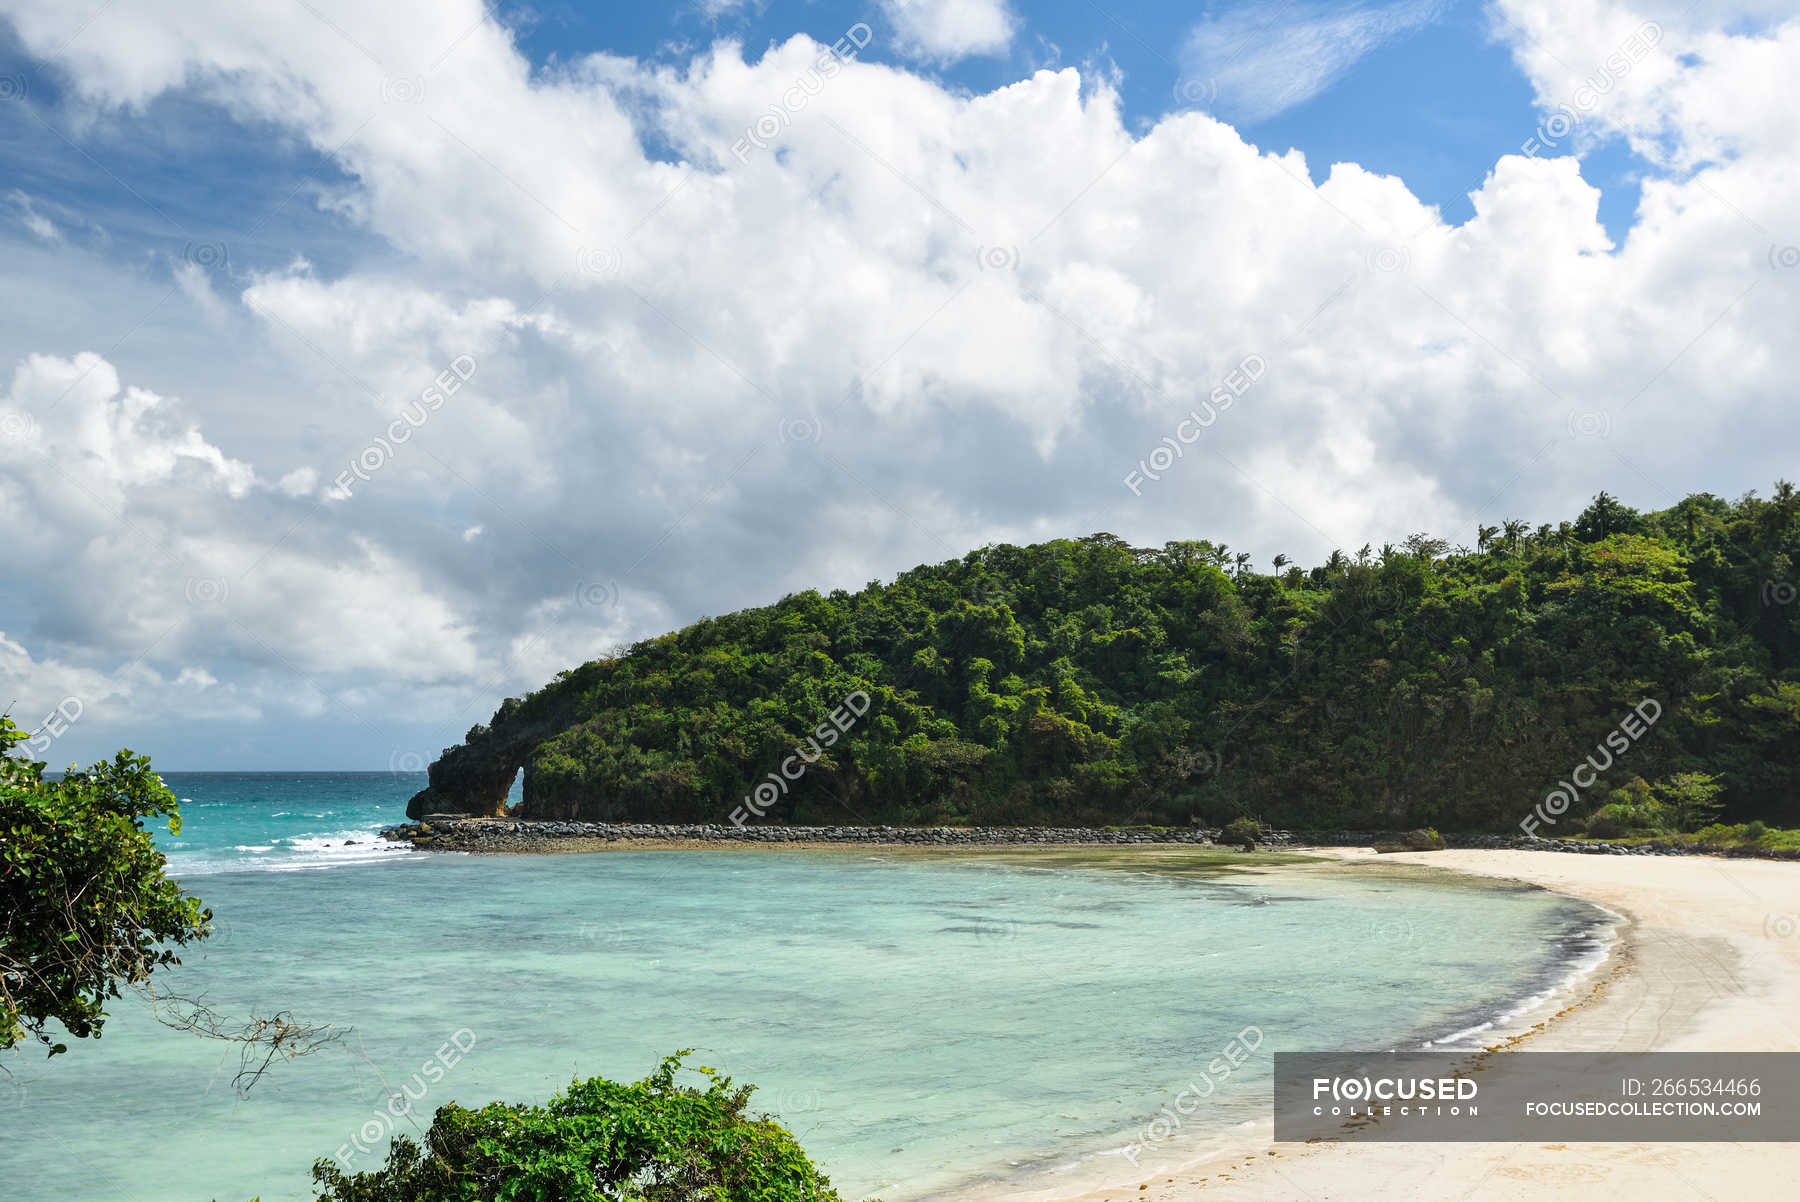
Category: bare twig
[261,1040]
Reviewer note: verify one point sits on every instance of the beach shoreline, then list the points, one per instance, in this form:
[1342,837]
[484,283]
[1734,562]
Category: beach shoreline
[1704,960]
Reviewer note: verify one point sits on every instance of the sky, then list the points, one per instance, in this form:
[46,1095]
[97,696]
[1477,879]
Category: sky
[366,364]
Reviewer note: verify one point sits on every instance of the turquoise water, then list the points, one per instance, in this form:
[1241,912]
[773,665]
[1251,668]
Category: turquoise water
[918,1021]
[285,821]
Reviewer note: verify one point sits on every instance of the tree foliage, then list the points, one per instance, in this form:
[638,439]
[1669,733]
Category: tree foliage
[84,903]
[651,1141]
[1087,681]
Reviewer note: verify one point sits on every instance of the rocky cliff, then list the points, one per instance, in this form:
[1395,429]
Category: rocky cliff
[474,778]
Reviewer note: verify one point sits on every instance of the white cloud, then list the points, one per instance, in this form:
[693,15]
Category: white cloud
[41,227]
[1253,62]
[1668,78]
[193,281]
[300,482]
[945,31]
[196,678]
[115,439]
[718,8]
[148,544]
[931,320]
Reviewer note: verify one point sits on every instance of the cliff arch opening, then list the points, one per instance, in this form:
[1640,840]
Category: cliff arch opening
[489,770]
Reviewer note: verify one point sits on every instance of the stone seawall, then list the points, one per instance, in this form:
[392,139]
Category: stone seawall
[448,833]
[453,832]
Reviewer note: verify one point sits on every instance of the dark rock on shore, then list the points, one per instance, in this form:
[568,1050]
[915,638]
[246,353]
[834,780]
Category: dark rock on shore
[1411,841]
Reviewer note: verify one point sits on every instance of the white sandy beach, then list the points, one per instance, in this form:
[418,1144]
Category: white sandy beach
[1705,962]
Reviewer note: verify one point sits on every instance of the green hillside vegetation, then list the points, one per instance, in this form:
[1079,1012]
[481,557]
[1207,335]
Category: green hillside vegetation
[1089,682]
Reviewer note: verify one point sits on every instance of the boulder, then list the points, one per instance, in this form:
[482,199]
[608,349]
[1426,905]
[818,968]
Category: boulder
[1417,840]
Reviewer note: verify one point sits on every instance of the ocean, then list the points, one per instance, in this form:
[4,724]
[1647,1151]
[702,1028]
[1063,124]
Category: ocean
[923,1023]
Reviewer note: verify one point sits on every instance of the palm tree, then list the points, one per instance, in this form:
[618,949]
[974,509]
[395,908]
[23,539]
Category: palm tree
[1786,501]
[1606,513]
[1362,554]
[1484,536]
[1242,562]
[1281,561]
[1513,531]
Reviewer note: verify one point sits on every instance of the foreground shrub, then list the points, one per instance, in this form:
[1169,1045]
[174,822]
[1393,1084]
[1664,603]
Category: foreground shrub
[1602,825]
[1241,832]
[652,1141]
[1693,799]
[85,907]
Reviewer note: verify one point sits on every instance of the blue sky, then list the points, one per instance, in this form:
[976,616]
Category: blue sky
[984,272]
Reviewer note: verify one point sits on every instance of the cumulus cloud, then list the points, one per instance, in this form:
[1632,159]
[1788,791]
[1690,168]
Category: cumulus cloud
[145,544]
[1685,86]
[896,323]
[944,31]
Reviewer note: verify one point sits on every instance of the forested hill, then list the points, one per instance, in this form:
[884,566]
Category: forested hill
[1087,682]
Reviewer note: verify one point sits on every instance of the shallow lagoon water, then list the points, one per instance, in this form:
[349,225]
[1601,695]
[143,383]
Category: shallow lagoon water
[918,1020]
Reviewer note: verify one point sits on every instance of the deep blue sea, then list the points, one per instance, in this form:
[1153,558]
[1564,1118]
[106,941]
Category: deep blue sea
[930,1026]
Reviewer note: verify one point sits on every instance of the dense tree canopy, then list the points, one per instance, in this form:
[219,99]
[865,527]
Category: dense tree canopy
[84,903]
[1088,681]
